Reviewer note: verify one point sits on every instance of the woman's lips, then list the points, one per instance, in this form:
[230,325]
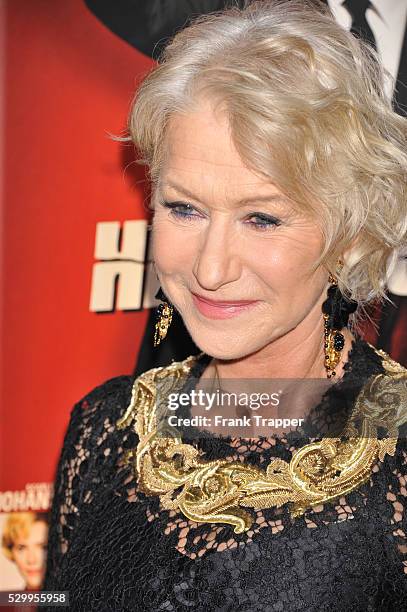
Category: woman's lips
[221,310]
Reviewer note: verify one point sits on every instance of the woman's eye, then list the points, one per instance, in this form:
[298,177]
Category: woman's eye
[181,210]
[262,221]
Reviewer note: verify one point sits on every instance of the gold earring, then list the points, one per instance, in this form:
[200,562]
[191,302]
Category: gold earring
[164,318]
[336,310]
[333,339]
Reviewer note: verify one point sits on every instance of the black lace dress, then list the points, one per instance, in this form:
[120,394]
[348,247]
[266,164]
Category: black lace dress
[115,548]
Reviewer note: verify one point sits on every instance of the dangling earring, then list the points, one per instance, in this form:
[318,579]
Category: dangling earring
[164,317]
[336,310]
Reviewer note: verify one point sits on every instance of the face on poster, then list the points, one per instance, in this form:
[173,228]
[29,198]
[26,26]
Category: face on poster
[23,550]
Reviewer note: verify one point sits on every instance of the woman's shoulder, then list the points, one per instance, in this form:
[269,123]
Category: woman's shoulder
[93,415]
[383,398]
[107,398]
[147,388]
[111,398]
[365,360]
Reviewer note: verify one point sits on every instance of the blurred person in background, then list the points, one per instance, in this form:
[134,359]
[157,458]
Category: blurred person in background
[24,541]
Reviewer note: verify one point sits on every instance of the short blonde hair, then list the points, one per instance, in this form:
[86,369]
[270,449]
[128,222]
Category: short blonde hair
[307,105]
[18,525]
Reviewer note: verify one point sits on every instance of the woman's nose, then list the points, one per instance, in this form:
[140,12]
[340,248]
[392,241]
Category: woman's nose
[32,556]
[217,262]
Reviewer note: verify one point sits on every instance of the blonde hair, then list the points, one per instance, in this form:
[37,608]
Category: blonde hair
[17,525]
[307,105]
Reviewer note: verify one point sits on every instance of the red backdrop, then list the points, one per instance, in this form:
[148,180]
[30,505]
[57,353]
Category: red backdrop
[68,81]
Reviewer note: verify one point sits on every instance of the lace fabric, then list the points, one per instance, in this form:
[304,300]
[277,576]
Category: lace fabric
[115,548]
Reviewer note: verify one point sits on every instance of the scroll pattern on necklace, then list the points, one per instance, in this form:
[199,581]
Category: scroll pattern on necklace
[220,491]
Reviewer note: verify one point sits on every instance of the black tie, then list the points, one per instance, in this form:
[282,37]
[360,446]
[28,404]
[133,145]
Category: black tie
[360,27]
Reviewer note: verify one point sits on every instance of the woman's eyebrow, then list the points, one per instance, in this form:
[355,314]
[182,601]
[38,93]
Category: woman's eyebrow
[273,197]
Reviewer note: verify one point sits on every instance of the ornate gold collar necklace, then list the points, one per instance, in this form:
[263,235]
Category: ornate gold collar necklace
[219,491]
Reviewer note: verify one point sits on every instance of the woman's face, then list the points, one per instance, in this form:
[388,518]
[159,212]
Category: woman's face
[29,554]
[230,235]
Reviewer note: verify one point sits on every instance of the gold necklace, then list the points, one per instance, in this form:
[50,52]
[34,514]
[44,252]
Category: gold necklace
[219,491]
